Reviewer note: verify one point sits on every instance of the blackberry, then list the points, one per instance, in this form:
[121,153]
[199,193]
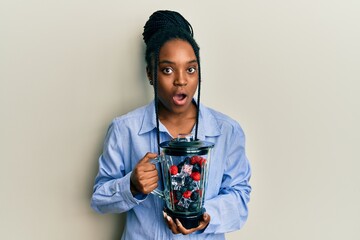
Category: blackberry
[196,168]
[192,206]
[183,189]
[178,195]
[188,180]
[180,165]
[187,160]
[180,208]
[194,196]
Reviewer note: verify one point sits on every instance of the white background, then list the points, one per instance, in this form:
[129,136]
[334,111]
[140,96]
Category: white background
[288,71]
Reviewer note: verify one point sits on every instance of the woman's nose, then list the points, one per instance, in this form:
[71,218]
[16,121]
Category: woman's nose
[180,80]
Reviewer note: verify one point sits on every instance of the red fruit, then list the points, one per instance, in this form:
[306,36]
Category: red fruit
[174,170]
[187,194]
[195,176]
[202,161]
[195,159]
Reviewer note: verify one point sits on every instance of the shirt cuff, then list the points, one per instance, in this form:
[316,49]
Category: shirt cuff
[123,186]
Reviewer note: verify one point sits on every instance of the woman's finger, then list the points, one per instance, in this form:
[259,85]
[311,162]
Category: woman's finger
[182,229]
[169,221]
[203,224]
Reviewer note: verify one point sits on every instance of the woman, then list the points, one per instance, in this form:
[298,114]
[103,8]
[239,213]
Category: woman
[126,176]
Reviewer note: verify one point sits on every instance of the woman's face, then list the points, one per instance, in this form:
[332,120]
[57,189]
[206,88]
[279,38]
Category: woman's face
[177,76]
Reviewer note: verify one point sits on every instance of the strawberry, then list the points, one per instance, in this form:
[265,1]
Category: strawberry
[187,194]
[195,176]
[195,159]
[202,161]
[174,170]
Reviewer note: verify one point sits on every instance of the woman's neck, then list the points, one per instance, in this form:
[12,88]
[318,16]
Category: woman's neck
[178,123]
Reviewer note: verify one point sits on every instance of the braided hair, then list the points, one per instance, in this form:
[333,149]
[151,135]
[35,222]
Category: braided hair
[163,26]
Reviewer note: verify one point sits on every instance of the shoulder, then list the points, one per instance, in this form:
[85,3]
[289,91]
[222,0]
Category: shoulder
[130,121]
[225,123]
[135,114]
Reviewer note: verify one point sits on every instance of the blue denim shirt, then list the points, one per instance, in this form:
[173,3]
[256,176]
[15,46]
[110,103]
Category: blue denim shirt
[131,136]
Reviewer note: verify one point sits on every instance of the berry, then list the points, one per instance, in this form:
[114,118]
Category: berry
[195,196]
[186,160]
[195,159]
[174,170]
[202,161]
[195,176]
[192,207]
[196,168]
[180,165]
[183,189]
[191,187]
[178,195]
[179,208]
[187,194]
[188,180]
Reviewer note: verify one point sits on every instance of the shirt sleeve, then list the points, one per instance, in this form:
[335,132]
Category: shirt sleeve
[111,191]
[229,209]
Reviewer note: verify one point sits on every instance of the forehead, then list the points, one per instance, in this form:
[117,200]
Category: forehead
[177,49]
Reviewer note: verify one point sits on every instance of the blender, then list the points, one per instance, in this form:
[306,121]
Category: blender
[184,169]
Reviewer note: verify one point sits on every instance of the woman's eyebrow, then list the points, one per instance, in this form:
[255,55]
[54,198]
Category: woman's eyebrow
[170,62]
[166,62]
[193,61]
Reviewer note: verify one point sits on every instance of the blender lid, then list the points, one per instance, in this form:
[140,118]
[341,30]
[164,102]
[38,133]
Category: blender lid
[185,144]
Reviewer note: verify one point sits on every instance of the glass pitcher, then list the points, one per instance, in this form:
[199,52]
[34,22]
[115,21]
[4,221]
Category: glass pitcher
[184,164]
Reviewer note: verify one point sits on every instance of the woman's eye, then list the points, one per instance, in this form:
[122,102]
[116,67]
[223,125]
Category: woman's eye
[191,70]
[167,70]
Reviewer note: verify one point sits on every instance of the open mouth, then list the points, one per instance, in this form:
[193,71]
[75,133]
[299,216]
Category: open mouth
[179,99]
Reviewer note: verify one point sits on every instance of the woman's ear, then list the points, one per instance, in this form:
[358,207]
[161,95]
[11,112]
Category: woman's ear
[149,75]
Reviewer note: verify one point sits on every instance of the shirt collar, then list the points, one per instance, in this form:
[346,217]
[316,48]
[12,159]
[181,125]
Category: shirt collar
[208,125]
[210,129]
[149,119]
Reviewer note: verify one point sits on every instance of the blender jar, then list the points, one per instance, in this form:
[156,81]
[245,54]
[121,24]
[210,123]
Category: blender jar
[184,165]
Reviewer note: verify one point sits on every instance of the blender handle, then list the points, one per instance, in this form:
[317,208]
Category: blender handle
[157,192]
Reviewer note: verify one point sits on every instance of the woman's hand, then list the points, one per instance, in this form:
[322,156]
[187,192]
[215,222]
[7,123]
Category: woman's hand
[144,177]
[176,226]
